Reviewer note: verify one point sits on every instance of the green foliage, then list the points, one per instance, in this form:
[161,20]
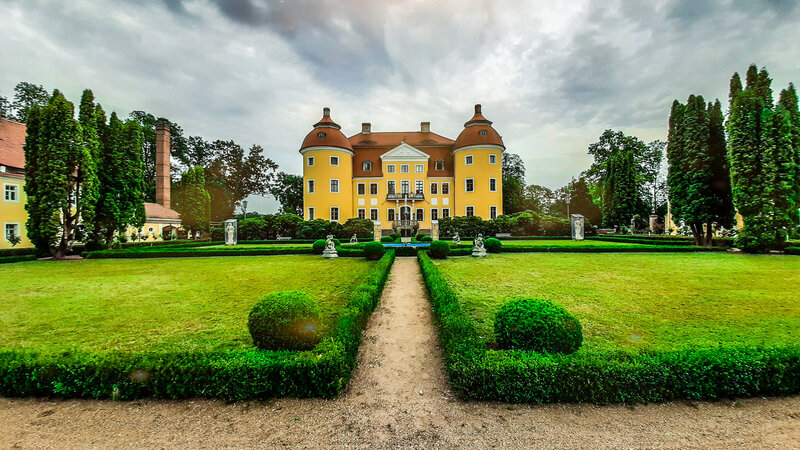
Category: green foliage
[179,148]
[374,250]
[439,249]
[61,180]
[763,153]
[193,201]
[288,190]
[537,325]
[285,320]
[599,377]
[425,239]
[394,236]
[513,183]
[319,229]
[319,246]
[26,97]
[387,239]
[226,374]
[362,228]
[493,245]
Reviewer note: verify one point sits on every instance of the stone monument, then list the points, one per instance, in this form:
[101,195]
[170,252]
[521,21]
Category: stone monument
[435,230]
[653,222]
[456,238]
[577,227]
[354,239]
[376,231]
[231,231]
[479,251]
[330,248]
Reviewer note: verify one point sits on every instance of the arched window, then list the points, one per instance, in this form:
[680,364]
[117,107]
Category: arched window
[321,134]
[366,166]
[483,132]
[439,165]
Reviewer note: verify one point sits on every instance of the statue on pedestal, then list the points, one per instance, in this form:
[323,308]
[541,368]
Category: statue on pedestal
[354,239]
[330,248]
[229,230]
[479,250]
[456,238]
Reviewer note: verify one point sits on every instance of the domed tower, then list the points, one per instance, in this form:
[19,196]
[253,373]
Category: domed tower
[477,156]
[327,172]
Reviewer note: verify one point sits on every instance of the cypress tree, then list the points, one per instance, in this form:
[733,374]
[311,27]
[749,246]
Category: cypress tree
[788,100]
[194,202]
[61,183]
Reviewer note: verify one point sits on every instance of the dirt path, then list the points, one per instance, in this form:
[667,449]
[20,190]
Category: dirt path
[398,398]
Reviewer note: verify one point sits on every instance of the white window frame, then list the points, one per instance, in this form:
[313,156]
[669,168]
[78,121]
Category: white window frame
[361,188]
[361,213]
[434,188]
[492,159]
[469,160]
[434,213]
[492,212]
[466,184]
[15,190]
[18,230]
[377,188]
[310,161]
[311,213]
[374,214]
[407,185]
[338,216]
[391,214]
[391,183]
[405,168]
[445,183]
[419,186]
[390,168]
[419,168]
[338,186]
[310,186]
[445,212]
[492,189]
[366,164]
[466,211]
[436,165]
[417,213]
[332,159]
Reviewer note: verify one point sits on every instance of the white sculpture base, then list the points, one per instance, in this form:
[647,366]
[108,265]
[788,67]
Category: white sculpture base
[479,252]
[330,254]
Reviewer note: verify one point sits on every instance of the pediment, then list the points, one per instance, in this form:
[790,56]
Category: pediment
[405,152]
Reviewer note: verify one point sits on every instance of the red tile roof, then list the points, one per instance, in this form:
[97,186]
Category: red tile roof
[156,211]
[12,143]
[393,139]
[331,134]
[471,135]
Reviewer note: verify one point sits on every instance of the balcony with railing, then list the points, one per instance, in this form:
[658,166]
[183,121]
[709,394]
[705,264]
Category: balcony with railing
[405,223]
[405,196]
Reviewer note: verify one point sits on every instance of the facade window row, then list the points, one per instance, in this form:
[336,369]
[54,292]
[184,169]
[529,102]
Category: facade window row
[392,214]
[470,159]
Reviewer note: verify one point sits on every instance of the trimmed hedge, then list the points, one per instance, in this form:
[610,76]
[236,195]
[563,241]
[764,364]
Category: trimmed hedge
[182,252]
[387,239]
[537,325]
[285,320]
[4,252]
[792,250]
[493,245]
[599,249]
[521,376]
[661,240]
[439,249]
[19,258]
[374,250]
[234,375]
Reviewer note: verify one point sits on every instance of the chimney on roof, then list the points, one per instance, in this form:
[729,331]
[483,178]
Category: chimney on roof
[478,108]
[326,112]
[366,128]
[162,163]
[425,127]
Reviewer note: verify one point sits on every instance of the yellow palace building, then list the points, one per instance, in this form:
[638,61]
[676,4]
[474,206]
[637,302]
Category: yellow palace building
[402,180]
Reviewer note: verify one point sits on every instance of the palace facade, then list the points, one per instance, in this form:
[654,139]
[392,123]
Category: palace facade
[402,180]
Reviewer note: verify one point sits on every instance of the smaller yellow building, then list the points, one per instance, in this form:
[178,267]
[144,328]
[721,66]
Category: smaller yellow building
[12,181]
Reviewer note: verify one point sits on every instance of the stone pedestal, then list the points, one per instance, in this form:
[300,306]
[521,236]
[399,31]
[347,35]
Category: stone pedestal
[653,222]
[435,230]
[376,231]
[577,227]
[330,254]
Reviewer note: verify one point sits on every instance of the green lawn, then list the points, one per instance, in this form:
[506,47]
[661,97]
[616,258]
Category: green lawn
[653,301]
[253,246]
[156,304]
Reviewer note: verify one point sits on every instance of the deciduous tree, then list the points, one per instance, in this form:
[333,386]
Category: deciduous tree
[288,190]
[193,201]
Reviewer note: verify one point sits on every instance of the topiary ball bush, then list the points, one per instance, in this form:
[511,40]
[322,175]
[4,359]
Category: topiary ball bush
[394,235]
[318,246]
[538,325]
[493,245]
[285,320]
[374,250]
[426,239]
[439,249]
[387,239]
[419,237]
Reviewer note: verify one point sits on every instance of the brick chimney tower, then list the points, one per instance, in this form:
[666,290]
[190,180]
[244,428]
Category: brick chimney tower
[162,164]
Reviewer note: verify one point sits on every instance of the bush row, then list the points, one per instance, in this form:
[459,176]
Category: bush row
[522,223]
[19,258]
[661,240]
[521,376]
[600,249]
[234,375]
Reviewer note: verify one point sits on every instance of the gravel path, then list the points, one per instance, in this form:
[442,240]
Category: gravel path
[398,397]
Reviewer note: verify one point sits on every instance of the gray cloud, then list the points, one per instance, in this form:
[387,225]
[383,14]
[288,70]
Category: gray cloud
[551,75]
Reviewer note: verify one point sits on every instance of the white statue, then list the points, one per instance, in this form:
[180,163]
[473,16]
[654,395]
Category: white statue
[354,239]
[229,229]
[330,248]
[456,238]
[479,241]
[479,250]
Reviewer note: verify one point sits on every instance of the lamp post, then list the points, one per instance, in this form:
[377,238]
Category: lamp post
[244,209]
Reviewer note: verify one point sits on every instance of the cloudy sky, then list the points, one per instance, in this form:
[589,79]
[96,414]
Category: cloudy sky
[551,75]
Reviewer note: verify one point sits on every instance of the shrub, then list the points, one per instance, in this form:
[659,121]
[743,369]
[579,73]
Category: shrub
[425,239]
[387,239]
[362,228]
[217,234]
[374,250]
[538,325]
[319,245]
[419,236]
[395,236]
[285,320]
[439,249]
[493,245]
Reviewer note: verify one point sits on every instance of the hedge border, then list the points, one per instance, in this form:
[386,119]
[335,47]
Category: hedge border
[18,258]
[476,372]
[235,375]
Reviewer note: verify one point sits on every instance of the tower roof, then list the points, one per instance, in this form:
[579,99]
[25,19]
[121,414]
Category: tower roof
[326,133]
[477,131]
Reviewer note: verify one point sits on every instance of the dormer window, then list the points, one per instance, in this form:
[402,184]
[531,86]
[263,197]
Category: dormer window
[366,166]
[483,132]
[321,134]
[439,165]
